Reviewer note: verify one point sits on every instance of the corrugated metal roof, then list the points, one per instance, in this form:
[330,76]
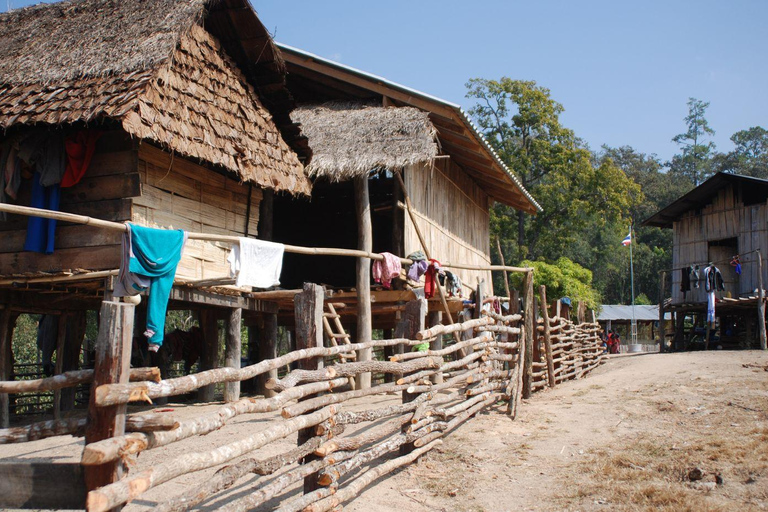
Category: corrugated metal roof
[618,312]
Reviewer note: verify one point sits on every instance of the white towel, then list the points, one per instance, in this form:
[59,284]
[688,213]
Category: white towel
[256,263]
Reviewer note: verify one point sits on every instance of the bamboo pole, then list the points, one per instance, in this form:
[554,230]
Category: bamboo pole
[440,293]
[547,336]
[210,237]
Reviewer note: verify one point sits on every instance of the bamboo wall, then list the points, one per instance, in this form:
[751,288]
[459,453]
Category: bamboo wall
[452,213]
[183,195]
[104,192]
[725,217]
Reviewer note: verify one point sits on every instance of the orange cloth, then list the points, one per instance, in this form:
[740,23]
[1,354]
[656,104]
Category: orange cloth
[430,279]
[80,148]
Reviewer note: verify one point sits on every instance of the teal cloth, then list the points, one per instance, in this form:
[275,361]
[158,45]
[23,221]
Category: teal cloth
[155,254]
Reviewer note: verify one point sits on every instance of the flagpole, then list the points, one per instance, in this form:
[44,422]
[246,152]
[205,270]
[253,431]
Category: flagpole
[632,280]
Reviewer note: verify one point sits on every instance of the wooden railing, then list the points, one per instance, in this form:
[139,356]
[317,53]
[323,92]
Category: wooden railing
[340,450]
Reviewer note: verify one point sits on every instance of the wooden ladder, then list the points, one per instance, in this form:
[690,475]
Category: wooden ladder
[339,333]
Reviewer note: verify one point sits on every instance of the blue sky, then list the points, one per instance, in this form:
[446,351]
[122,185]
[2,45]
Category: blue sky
[623,70]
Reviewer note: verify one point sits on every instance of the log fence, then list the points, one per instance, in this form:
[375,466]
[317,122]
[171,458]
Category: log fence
[347,437]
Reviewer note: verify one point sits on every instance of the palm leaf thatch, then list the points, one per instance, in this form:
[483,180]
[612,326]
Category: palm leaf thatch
[351,139]
[179,73]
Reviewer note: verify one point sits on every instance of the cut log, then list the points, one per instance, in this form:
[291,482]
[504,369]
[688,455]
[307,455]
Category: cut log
[351,489]
[370,436]
[321,401]
[150,423]
[113,394]
[447,366]
[439,330]
[71,379]
[483,338]
[133,486]
[116,447]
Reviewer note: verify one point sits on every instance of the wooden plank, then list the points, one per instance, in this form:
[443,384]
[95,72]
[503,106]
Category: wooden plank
[100,188]
[6,335]
[111,365]
[42,485]
[195,296]
[67,237]
[98,258]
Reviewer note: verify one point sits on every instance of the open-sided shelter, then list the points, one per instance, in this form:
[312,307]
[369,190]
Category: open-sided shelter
[722,222]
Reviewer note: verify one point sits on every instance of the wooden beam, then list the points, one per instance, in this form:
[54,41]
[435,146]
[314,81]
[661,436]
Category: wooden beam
[529,317]
[435,318]
[363,275]
[761,302]
[6,335]
[111,365]
[210,357]
[267,350]
[232,352]
[412,322]
[219,300]
[61,339]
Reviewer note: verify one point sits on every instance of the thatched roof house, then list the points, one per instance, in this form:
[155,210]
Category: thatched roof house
[190,99]
[362,125]
[201,78]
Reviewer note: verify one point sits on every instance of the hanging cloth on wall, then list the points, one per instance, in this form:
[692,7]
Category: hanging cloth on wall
[695,279]
[150,258]
[80,148]
[256,263]
[430,283]
[41,232]
[385,270]
[736,264]
[452,284]
[685,280]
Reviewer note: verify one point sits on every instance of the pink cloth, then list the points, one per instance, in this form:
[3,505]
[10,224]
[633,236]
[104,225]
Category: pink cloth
[387,269]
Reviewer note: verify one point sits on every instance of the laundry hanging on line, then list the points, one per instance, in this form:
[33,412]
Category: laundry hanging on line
[387,269]
[256,263]
[149,260]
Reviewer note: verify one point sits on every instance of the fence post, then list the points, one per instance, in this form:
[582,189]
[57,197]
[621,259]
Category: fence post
[6,333]
[436,318]
[411,323]
[267,350]
[209,358]
[111,365]
[662,331]
[530,335]
[61,339]
[760,302]
[547,336]
[233,351]
[309,334]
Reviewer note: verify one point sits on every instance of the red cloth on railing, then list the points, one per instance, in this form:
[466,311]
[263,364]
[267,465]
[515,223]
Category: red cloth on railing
[80,148]
[430,279]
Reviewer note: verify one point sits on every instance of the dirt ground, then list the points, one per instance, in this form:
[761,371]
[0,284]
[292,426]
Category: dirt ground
[627,437]
[630,436]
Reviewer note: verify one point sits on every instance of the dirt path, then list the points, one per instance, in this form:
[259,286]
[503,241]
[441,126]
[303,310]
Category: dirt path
[624,438]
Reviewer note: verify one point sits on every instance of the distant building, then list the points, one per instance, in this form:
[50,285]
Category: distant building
[721,222]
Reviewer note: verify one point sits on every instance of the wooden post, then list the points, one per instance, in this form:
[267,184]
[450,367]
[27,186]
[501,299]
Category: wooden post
[6,334]
[61,338]
[760,302]
[529,335]
[233,351]
[268,350]
[662,331]
[309,305]
[436,318]
[412,322]
[363,276]
[581,309]
[73,347]
[398,219]
[209,359]
[547,336]
[111,365]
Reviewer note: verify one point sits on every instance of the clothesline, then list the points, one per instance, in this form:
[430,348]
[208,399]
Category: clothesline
[719,262]
[295,249]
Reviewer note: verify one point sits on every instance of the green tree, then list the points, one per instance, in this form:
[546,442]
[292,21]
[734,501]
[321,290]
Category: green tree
[563,278]
[694,162]
[750,156]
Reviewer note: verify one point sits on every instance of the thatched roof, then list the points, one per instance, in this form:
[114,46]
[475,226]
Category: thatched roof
[149,65]
[350,139]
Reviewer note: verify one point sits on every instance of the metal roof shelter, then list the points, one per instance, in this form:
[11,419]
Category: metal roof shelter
[619,313]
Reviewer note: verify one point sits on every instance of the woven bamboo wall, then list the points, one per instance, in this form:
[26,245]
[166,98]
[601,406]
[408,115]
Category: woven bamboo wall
[452,213]
[180,194]
[725,217]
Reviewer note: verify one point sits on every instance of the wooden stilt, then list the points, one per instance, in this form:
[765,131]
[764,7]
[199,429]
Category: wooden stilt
[309,305]
[436,318]
[530,336]
[210,357]
[268,350]
[412,322]
[76,324]
[363,275]
[112,365]
[61,338]
[761,303]
[662,331]
[6,334]
[547,336]
[233,351]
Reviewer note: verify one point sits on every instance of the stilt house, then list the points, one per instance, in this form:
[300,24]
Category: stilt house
[187,104]
[722,222]
[363,129]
